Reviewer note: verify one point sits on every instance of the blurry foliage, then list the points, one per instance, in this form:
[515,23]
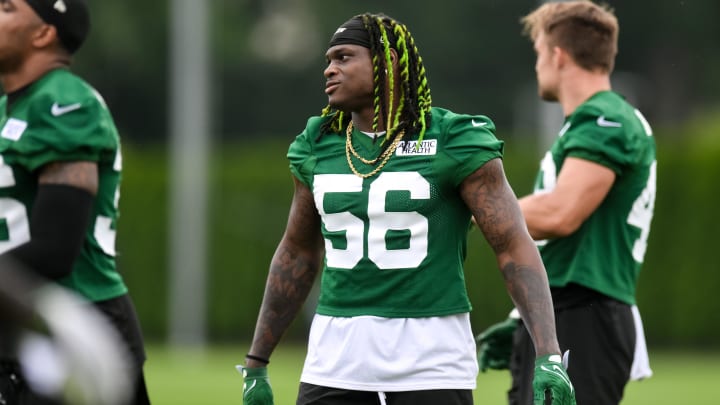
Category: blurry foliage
[142,233]
[251,189]
[268,57]
[124,57]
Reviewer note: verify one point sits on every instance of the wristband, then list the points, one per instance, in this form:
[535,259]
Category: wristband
[257,358]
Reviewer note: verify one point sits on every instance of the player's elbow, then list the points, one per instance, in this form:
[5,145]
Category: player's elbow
[47,260]
[560,226]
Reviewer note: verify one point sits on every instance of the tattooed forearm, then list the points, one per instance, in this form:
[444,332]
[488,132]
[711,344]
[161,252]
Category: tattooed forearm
[497,213]
[289,282]
[528,288]
[293,270]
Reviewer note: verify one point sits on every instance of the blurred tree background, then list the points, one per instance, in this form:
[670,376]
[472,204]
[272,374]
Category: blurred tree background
[266,59]
[268,56]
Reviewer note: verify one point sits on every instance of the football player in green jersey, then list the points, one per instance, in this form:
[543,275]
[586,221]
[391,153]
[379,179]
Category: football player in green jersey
[385,186]
[60,167]
[591,209]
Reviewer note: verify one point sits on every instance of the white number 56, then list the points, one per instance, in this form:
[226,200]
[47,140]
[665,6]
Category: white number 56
[380,221]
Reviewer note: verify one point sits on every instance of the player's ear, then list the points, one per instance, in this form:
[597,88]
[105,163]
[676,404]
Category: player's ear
[393,58]
[45,36]
[560,57]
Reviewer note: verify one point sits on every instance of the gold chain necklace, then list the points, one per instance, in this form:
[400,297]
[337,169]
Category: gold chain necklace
[354,152]
[383,158]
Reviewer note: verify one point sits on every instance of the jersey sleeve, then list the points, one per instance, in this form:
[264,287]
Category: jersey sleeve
[598,138]
[80,132]
[302,160]
[470,142]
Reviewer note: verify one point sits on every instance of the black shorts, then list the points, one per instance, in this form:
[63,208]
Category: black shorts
[121,313]
[601,338]
[310,394]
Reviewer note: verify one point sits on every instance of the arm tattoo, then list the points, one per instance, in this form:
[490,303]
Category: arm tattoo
[497,213]
[293,270]
[83,175]
[493,204]
[528,288]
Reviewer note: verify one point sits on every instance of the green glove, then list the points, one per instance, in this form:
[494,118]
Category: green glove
[551,381]
[256,388]
[495,345]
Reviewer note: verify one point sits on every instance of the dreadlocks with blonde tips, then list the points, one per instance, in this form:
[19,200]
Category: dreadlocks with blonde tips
[412,113]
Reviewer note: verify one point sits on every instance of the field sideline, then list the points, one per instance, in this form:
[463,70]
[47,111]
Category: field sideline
[208,377]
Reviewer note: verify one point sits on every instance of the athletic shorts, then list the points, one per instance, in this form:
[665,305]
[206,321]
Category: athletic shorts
[310,394]
[601,338]
[121,313]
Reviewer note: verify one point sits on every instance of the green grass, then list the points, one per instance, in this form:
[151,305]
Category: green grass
[208,377]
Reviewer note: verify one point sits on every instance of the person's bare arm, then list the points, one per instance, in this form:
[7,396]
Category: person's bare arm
[581,187]
[494,206]
[293,269]
[82,174]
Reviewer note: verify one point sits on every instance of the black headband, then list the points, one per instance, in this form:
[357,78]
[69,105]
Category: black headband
[354,32]
[351,32]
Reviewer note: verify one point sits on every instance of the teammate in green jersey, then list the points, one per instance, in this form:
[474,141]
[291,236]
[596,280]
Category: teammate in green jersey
[385,186]
[60,167]
[590,212]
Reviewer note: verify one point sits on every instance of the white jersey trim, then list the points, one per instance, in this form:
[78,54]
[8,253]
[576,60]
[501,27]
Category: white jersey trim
[369,353]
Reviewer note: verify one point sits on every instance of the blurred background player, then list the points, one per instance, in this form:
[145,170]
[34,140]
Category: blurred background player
[60,166]
[390,183]
[67,350]
[590,212]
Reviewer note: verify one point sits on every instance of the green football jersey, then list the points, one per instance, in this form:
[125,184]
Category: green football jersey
[395,242]
[606,252]
[62,118]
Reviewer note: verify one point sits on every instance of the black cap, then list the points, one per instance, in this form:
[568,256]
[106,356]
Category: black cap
[71,19]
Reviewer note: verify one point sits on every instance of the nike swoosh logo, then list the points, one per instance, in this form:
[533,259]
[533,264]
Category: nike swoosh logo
[601,121]
[57,109]
[478,124]
[254,383]
[564,129]
[557,370]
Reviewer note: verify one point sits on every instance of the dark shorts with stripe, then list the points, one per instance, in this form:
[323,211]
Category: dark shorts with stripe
[310,394]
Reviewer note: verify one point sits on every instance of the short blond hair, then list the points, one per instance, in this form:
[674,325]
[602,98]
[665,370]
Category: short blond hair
[587,31]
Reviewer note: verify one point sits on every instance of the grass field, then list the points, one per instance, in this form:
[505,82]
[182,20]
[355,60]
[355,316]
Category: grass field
[208,377]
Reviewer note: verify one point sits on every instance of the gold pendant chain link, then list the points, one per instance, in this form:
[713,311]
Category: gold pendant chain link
[383,158]
[354,152]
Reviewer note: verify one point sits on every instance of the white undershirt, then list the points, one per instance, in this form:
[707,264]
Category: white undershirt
[373,134]
[369,353]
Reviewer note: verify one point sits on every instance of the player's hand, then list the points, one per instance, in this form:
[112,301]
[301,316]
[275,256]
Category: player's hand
[551,384]
[495,345]
[256,387]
